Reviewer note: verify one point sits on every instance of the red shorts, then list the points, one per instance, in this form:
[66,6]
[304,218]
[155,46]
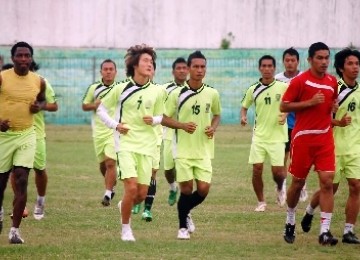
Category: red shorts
[304,155]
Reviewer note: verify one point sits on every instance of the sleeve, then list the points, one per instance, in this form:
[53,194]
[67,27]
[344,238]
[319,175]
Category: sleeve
[248,99]
[89,95]
[104,116]
[293,91]
[170,104]
[49,93]
[216,105]
[159,104]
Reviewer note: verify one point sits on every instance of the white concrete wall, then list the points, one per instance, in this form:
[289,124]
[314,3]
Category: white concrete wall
[181,23]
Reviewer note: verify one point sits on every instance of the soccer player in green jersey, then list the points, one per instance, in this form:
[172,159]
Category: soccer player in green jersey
[347,142]
[102,135]
[270,129]
[138,104]
[180,72]
[193,145]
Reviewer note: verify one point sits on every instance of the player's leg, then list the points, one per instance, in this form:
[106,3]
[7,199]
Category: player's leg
[256,158]
[185,178]
[150,197]
[276,152]
[4,176]
[41,177]
[170,173]
[106,150]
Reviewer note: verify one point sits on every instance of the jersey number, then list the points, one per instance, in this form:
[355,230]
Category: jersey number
[195,109]
[267,100]
[139,102]
[351,106]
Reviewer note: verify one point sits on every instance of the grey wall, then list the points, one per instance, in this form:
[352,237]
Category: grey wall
[180,24]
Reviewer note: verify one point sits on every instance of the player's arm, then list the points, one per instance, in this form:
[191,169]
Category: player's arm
[91,106]
[246,103]
[318,98]
[51,105]
[210,130]
[243,116]
[344,121]
[40,101]
[189,127]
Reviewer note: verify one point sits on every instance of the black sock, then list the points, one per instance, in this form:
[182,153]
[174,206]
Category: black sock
[183,209]
[195,199]
[149,200]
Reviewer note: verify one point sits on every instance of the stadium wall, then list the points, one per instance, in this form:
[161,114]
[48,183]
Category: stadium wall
[180,24]
[71,71]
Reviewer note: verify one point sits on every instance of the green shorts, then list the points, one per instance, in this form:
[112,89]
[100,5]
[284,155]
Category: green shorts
[40,154]
[104,147]
[134,165]
[193,169]
[156,158]
[168,155]
[17,149]
[275,151]
[347,166]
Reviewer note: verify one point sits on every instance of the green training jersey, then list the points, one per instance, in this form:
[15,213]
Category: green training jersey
[39,120]
[266,99]
[159,129]
[98,90]
[170,87]
[198,106]
[347,139]
[131,103]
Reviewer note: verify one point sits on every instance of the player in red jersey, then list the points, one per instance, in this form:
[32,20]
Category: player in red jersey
[312,96]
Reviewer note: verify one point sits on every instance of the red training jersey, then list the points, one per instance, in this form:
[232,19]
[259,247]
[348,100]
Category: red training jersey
[312,124]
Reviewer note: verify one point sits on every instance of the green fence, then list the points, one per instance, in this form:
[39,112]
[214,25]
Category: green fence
[71,71]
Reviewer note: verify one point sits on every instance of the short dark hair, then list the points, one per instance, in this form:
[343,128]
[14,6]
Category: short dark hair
[177,61]
[340,58]
[292,52]
[133,54]
[7,66]
[195,55]
[317,46]
[21,44]
[267,57]
[106,61]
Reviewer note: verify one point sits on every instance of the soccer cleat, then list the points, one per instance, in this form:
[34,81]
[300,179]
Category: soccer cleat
[326,238]
[1,218]
[112,194]
[172,197]
[39,212]
[183,234]
[261,207]
[105,201]
[289,233]
[306,222]
[14,237]
[281,197]
[350,238]
[190,224]
[127,236]
[303,195]
[147,215]
[136,209]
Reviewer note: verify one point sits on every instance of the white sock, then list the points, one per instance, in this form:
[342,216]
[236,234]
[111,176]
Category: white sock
[325,220]
[348,228]
[290,216]
[310,210]
[40,200]
[173,186]
[284,185]
[304,187]
[125,228]
[108,193]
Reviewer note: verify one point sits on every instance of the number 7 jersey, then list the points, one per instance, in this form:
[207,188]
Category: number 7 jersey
[266,99]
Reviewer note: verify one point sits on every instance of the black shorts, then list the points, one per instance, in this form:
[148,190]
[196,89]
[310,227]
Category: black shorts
[288,143]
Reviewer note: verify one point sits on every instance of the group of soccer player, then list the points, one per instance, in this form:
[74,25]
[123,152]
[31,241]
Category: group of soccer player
[127,119]
[321,130]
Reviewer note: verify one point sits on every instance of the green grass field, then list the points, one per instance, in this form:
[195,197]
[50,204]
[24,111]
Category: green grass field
[77,226]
